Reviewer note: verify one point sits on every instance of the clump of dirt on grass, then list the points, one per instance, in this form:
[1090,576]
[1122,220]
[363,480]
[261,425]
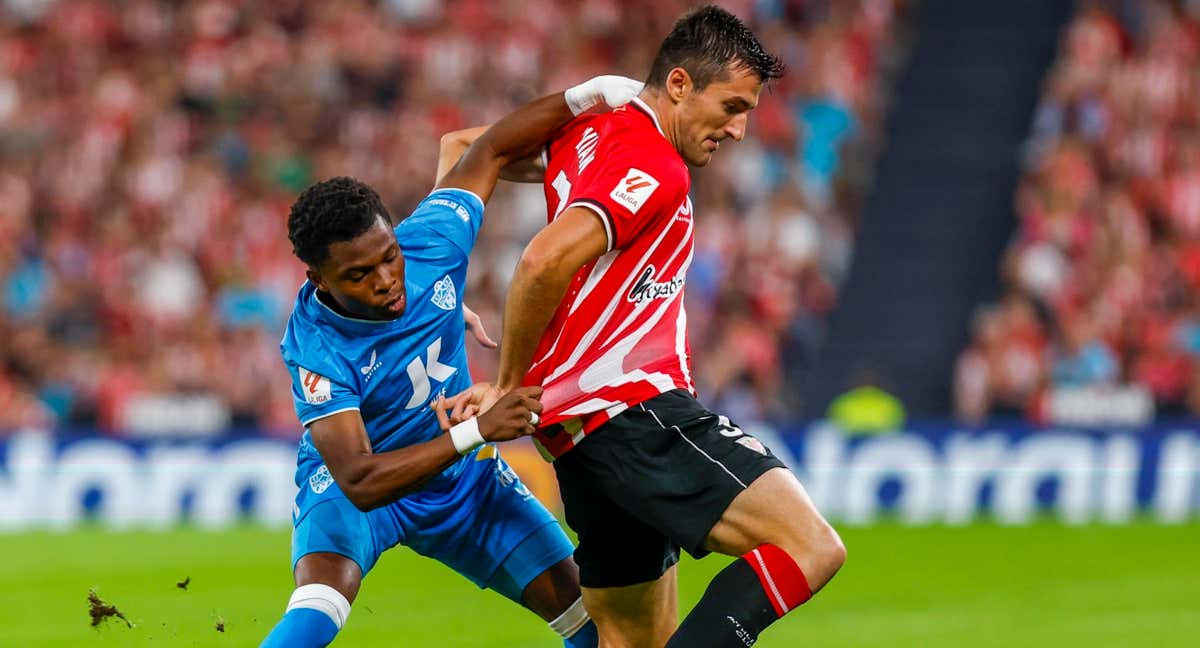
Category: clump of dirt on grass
[184,583]
[101,611]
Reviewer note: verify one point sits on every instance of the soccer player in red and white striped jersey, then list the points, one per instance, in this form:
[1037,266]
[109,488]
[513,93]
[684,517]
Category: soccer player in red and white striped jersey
[595,315]
[618,336]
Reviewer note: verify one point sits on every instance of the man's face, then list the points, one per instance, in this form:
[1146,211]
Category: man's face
[365,274]
[719,111]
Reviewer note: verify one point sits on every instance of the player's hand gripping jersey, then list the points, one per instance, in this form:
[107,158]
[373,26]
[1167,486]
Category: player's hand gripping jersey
[619,335]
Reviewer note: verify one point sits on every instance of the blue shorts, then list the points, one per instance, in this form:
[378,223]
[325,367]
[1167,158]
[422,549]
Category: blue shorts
[483,523]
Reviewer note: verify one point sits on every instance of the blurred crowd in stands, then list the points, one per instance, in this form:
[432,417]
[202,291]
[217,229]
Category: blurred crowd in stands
[149,152]
[1103,274]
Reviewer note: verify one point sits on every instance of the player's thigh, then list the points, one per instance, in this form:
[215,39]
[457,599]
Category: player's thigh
[332,540]
[776,509]
[617,548]
[626,565]
[550,594]
[645,614]
[490,529]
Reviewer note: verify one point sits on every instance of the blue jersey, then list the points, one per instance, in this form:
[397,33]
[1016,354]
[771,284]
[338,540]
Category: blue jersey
[390,371]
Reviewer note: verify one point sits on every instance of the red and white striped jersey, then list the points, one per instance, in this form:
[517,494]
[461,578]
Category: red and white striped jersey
[619,335]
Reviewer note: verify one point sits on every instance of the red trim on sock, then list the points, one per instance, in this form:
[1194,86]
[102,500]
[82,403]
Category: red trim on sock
[780,577]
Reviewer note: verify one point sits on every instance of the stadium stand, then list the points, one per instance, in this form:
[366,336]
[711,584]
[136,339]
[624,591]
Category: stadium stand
[939,214]
[149,152]
[1100,317]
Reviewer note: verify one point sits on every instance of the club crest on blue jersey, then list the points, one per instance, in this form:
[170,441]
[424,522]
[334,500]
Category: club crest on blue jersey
[444,296]
[320,480]
[508,478]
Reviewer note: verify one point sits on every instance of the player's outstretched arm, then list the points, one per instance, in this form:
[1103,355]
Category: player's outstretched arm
[371,480]
[522,133]
[453,146]
[455,143]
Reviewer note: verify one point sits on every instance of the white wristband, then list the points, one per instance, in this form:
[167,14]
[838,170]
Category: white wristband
[466,436]
[609,89]
[579,98]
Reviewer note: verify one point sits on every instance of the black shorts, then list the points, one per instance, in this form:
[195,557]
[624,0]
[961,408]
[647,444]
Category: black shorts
[654,479]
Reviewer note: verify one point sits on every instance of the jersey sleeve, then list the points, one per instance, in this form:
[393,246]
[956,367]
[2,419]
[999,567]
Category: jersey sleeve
[446,216]
[317,396]
[627,191]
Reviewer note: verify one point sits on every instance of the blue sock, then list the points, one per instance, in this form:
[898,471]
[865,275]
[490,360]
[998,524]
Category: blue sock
[585,637]
[302,628]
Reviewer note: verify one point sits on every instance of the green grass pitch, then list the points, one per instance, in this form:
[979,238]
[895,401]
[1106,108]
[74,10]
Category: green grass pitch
[975,586]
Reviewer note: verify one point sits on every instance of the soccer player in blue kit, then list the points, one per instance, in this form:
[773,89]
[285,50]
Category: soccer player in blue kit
[376,337]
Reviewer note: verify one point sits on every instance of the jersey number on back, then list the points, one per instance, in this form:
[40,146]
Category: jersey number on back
[421,371]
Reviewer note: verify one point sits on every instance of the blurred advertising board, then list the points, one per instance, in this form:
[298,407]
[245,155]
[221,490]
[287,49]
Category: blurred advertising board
[928,474]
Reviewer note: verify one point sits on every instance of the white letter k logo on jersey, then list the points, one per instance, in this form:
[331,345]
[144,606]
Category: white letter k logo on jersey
[420,373]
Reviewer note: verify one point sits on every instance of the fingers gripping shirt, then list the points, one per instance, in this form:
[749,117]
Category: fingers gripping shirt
[390,371]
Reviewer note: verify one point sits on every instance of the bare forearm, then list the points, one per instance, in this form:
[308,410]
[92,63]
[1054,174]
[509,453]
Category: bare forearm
[521,134]
[511,139]
[533,297]
[529,170]
[374,480]
[453,145]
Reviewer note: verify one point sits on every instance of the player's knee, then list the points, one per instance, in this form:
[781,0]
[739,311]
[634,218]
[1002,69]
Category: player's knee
[332,570]
[553,592]
[819,554]
[834,551]
[827,555]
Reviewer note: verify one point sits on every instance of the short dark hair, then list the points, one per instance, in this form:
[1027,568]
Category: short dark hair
[705,42]
[337,209]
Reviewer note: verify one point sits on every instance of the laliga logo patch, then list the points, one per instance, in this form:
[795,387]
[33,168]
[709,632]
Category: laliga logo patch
[444,296]
[320,481]
[316,387]
[634,189]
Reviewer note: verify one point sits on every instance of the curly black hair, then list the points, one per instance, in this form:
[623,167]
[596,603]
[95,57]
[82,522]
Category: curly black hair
[337,209]
[705,42]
